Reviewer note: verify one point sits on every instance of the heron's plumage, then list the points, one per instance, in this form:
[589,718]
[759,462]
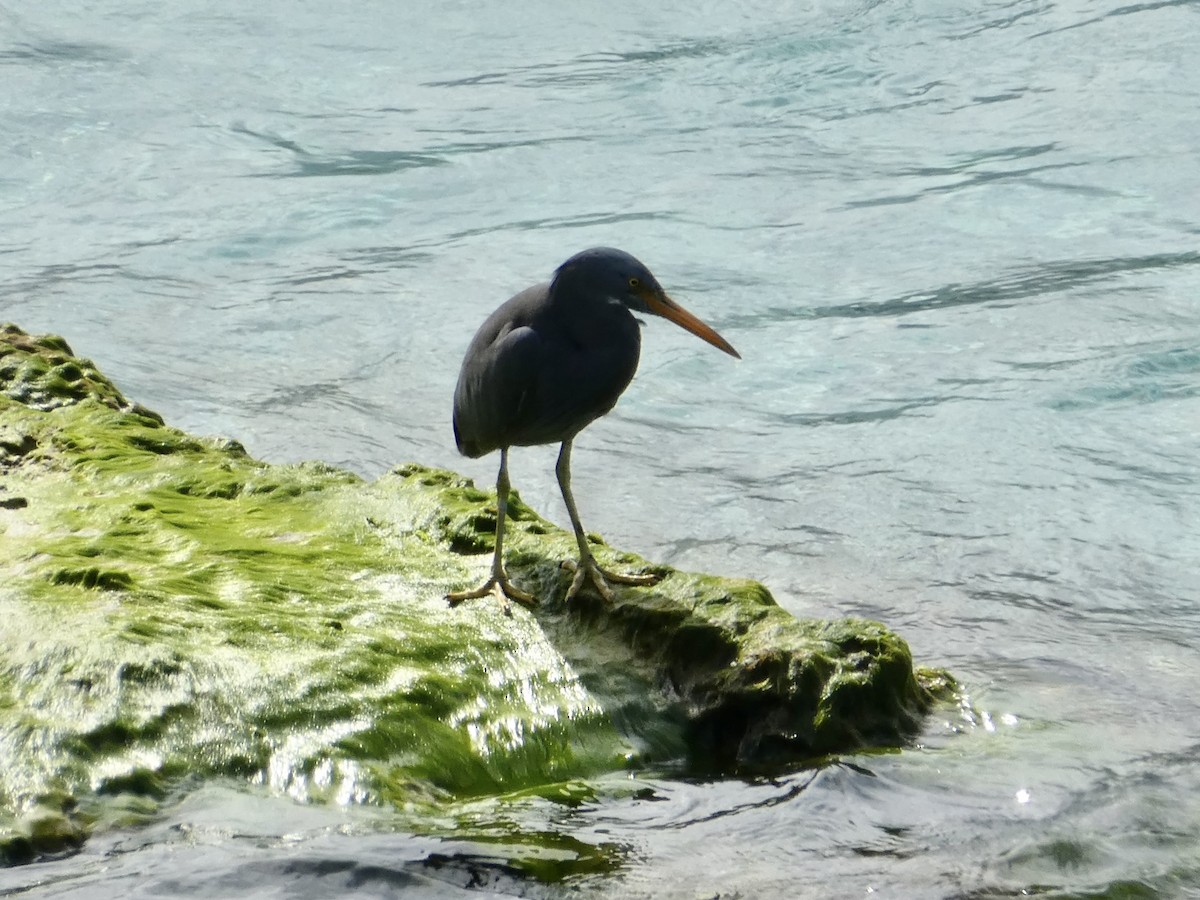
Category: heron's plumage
[552,359]
[548,362]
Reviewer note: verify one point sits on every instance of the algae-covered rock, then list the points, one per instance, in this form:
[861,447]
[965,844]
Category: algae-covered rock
[174,610]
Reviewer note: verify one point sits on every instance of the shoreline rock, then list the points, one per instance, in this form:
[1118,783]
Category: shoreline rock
[175,609]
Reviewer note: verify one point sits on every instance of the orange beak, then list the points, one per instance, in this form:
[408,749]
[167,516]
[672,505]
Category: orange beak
[662,305]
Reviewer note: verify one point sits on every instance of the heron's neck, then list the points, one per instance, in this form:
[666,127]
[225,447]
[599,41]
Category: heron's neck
[597,320]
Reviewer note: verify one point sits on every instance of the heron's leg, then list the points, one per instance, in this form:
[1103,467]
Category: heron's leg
[498,584]
[587,568]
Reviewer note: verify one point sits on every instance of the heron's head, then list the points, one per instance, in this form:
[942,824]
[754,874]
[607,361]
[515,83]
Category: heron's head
[614,274]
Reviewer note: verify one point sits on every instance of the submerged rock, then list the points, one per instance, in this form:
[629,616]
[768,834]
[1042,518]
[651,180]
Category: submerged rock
[175,611]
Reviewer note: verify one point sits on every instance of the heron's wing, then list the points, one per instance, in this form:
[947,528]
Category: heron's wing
[496,394]
[536,375]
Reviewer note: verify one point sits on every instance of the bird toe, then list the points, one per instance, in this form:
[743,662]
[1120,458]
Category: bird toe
[587,571]
[502,588]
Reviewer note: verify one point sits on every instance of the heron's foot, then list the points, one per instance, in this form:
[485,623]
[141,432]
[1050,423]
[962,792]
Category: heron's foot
[587,570]
[501,587]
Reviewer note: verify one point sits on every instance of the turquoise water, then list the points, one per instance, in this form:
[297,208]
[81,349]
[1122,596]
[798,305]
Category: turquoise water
[956,244]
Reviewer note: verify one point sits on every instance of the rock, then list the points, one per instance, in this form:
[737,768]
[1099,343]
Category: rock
[175,609]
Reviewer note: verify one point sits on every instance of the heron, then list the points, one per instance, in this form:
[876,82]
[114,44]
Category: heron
[546,364]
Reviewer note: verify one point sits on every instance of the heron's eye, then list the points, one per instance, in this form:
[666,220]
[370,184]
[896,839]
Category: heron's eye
[634,282]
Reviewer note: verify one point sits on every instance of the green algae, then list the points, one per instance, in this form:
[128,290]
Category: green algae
[174,611]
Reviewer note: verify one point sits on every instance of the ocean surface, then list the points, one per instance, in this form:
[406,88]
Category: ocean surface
[957,245]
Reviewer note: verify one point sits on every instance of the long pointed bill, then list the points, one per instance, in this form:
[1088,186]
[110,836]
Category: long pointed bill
[662,305]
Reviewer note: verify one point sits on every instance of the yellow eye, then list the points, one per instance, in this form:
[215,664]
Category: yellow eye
[634,282]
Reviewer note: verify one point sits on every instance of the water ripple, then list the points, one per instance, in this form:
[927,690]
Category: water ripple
[1132,9]
[585,69]
[1165,375]
[56,52]
[1033,281]
[350,162]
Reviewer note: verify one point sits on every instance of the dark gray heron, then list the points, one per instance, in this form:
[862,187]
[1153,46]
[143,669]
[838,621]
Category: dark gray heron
[545,365]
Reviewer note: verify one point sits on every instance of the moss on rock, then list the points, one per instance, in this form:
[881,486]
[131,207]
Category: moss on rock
[175,610]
